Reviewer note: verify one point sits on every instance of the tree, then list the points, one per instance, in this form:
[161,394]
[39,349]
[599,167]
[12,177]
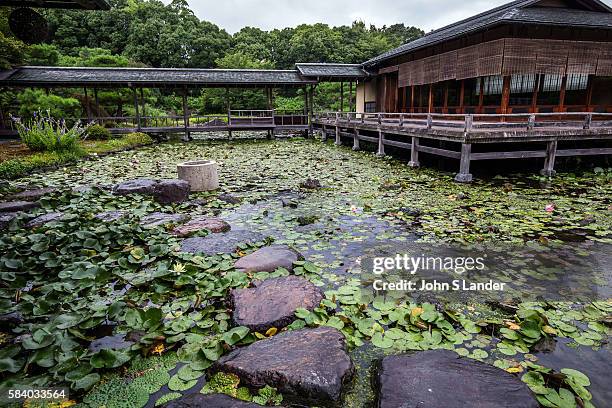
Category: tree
[42,54]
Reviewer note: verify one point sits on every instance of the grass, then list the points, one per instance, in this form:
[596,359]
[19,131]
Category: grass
[16,161]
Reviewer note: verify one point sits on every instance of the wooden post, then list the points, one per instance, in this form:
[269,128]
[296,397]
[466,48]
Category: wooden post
[97,102]
[356,139]
[186,116]
[536,91]
[143,104]
[430,106]
[429,121]
[414,153]
[562,94]
[136,110]
[87,107]
[381,144]
[464,175]
[412,99]
[342,97]
[446,98]
[589,92]
[324,134]
[469,122]
[549,161]
[481,96]
[461,96]
[338,139]
[505,102]
[531,122]
[587,121]
[351,96]
[310,109]
[228,105]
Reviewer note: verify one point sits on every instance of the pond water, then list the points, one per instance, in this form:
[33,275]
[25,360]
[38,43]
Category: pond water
[369,206]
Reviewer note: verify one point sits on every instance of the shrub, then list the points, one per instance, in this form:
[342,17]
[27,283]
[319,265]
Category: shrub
[138,138]
[14,168]
[33,100]
[44,133]
[97,132]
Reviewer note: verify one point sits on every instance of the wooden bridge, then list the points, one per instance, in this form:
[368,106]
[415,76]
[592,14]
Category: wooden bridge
[475,136]
[270,121]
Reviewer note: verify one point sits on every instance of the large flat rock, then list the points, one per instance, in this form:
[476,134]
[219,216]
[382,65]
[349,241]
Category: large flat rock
[136,186]
[268,259]
[200,223]
[6,218]
[35,194]
[157,219]
[220,243]
[209,401]
[441,378]
[171,191]
[273,302]
[16,206]
[44,219]
[310,364]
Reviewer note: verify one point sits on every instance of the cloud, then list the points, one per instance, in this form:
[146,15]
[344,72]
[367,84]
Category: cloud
[232,15]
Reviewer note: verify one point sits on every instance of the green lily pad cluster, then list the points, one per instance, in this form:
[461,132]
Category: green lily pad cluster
[564,389]
[227,383]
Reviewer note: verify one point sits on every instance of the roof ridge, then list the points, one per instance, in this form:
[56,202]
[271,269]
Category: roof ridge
[159,69]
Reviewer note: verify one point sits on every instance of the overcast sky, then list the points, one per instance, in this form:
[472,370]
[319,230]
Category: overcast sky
[232,15]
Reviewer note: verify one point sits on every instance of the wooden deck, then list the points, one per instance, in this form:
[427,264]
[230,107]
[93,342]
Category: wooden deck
[234,121]
[423,132]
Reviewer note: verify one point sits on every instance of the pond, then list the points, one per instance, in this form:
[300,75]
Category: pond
[551,242]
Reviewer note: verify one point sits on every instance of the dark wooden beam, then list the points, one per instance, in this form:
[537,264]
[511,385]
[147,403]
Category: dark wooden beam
[562,94]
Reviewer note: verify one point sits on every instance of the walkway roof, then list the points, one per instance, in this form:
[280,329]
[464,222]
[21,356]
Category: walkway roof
[149,77]
[335,72]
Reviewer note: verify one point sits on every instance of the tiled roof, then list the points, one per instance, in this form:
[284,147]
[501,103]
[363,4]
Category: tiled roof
[520,11]
[324,70]
[25,76]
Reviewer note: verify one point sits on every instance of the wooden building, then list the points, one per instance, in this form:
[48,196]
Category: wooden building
[528,56]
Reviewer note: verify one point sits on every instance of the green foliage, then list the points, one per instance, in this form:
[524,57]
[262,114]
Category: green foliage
[558,390]
[33,100]
[228,383]
[268,396]
[97,132]
[44,133]
[137,138]
[42,54]
[14,168]
[11,51]
[94,57]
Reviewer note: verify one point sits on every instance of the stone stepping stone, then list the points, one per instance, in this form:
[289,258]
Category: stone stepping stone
[171,191]
[16,206]
[230,199]
[136,186]
[225,243]
[196,224]
[157,219]
[6,218]
[441,378]
[209,401]
[44,219]
[110,216]
[273,302]
[34,195]
[310,363]
[268,259]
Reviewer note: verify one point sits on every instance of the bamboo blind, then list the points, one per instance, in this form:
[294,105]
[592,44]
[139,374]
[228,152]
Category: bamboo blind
[604,63]
[467,62]
[404,75]
[431,69]
[520,56]
[388,70]
[490,57]
[552,57]
[582,57]
[448,66]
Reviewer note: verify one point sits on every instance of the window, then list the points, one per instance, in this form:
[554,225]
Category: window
[491,89]
[521,89]
[370,107]
[551,83]
[576,82]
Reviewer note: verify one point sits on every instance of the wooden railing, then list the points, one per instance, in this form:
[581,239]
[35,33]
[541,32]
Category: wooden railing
[470,122]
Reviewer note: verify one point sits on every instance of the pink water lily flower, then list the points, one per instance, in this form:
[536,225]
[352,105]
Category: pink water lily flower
[549,207]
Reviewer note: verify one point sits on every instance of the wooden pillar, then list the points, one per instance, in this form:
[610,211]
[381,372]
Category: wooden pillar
[562,94]
[481,96]
[464,175]
[186,116]
[97,102]
[536,91]
[549,161]
[228,105]
[414,153]
[381,144]
[143,104]
[136,110]
[87,107]
[430,103]
[351,97]
[412,99]
[342,97]
[505,102]
[461,96]
[446,98]
[338,139]
[589,100]
[355,139]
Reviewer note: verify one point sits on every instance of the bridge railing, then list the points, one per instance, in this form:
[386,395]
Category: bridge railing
[471,122]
